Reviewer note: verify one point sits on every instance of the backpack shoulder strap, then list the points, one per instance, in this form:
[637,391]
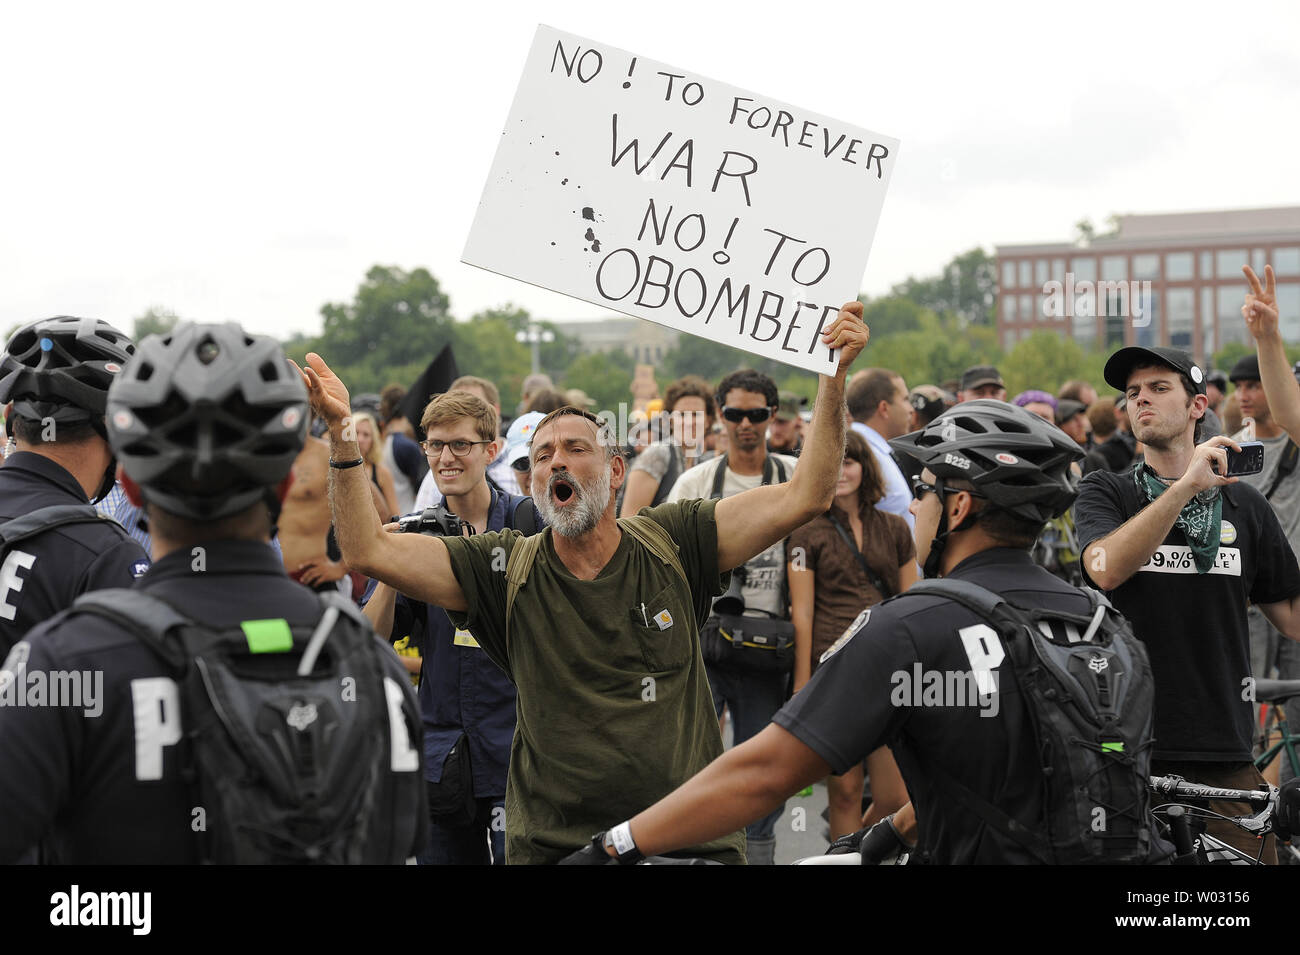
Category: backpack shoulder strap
[1285,466]
[521,515]
[144,616]
[979,599]
[675,461]
[47,518]
[651,535]
[518,567]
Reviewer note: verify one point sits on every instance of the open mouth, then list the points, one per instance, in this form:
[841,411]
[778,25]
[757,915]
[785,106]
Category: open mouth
[562,490]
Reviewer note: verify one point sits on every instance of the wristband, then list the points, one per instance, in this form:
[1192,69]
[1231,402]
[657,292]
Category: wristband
[343,465]
[620,839]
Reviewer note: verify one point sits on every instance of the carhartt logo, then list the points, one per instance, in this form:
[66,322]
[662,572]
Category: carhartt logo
[1097,664]
[300,717]
[664,619]
[103,908]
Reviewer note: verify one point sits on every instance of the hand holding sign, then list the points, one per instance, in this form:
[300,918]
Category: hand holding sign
[848,334]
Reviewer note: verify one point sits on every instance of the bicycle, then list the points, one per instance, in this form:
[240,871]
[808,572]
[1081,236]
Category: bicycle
[1276,693]
[1182,821]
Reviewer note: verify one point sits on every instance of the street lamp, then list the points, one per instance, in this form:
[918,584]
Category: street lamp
[534,335]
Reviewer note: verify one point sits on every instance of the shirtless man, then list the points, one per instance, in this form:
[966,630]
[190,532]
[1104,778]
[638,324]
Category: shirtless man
[305,520]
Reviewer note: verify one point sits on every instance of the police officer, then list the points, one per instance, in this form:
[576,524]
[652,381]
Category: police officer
[55,375]
[991,475]
[207,423]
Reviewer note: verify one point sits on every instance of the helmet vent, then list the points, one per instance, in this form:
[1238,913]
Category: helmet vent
[144,372]
[269,372]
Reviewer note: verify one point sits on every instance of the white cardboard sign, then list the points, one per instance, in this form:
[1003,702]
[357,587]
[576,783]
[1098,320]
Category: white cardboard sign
[675,198]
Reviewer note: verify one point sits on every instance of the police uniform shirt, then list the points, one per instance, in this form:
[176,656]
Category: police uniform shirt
[44,574]
[1194,625]
[913,678]
[106,786]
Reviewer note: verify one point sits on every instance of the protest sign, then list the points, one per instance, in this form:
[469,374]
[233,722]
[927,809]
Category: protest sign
[675,198]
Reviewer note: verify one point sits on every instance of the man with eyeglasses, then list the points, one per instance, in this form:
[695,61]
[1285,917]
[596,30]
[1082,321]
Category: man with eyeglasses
[748,400]
[466,701]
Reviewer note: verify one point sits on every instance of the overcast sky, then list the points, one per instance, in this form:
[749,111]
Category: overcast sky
[252,161]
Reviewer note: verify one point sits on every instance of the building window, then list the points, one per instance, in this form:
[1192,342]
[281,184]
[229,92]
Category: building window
[1008,275]
[1084,269]
[1232,327]
[1286,261]
[1026,273]
[1084,328]
[1288,307]
[1009,308]
[1027,308]
[1040,272]
[1114,268]
[1229,262]
[1146,266]
[1207,265]
[1058,269]
[1178,266]
[1181,316]
[1146,326]
[1209,344]
[1257,260]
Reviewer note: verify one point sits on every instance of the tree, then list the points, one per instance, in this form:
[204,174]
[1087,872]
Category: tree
[604,376]
[967,288]
[397,319]
[156,321]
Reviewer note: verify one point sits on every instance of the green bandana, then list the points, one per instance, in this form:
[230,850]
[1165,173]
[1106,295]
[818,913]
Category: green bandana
[1199,520]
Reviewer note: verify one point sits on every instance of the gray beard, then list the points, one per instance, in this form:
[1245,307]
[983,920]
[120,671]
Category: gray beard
[576,520]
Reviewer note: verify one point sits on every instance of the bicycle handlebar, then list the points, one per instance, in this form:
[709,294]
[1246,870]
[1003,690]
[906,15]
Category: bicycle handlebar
[1178,788]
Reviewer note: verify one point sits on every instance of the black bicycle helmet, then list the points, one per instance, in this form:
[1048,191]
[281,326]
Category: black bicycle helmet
[61,368]
[1017,460]
[208,419]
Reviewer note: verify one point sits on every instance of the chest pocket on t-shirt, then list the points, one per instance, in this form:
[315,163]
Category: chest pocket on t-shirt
[663,628]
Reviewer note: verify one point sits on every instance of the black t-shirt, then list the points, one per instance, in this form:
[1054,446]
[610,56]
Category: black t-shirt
[44,574]
[1194,625]
[105,787]
[878,689]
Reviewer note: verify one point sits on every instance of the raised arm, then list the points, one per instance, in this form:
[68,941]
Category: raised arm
[413,564]
[751,522]
[1261,314]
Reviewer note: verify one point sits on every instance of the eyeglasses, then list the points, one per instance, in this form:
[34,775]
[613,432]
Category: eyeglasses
[460,447]
[522,465]
[755,415]
[920,489]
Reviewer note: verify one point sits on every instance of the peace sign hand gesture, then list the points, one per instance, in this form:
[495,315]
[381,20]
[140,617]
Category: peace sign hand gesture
[1260,310]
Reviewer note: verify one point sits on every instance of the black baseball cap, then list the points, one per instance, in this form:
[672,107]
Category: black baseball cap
[1121,364]
[1246,369]
[1218,378]
[1067,408]
[980,375]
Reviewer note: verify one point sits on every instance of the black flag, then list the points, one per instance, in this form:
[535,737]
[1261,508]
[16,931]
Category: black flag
[434,380]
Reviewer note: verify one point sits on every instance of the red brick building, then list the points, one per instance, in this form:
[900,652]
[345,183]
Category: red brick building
[1171,279]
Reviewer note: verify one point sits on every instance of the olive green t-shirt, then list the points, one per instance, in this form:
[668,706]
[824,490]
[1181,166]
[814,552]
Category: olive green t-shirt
[614,710]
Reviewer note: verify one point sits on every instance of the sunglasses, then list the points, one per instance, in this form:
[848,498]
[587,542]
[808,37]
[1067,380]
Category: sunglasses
[755,415]
[920,489]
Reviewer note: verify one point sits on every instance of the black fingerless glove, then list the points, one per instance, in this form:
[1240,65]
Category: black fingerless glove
[881,841]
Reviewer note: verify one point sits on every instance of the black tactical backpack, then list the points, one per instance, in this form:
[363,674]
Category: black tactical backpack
[299,746]
[1089,695]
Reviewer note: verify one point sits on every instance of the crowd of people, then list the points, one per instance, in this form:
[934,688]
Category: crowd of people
[571,621]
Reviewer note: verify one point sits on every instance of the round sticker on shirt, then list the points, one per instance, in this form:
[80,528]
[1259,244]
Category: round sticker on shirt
[1005,458]
[1227,533]
[112,367]
[122,419]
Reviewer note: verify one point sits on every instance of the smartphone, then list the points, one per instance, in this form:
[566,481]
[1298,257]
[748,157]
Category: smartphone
[1249,460]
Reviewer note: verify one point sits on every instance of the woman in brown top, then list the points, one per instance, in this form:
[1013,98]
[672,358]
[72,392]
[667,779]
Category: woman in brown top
[829,588]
